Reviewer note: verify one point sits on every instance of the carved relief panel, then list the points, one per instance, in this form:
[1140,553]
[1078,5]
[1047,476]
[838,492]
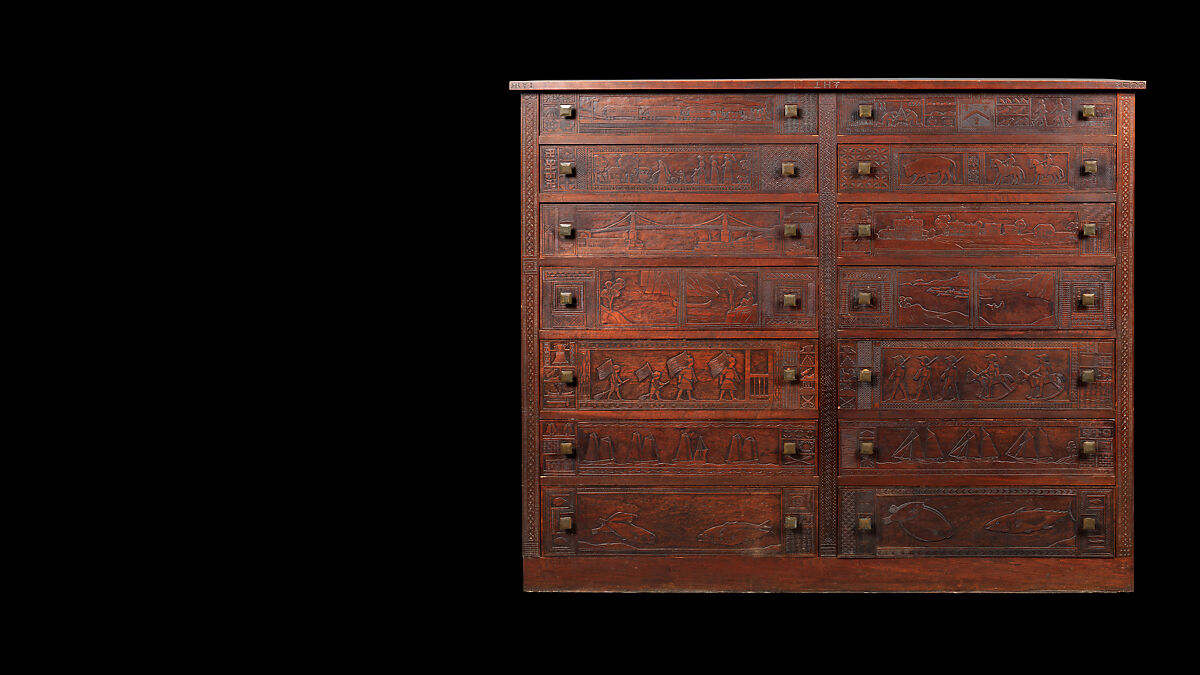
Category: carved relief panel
[976,168]
[712,169]
[682,447]
[679,521]
[692,230]
[894,447]
[679,374]
[978,299]
[954,521]
[975,374]
[726,113]
[673,298]
[912,231]
[990,113]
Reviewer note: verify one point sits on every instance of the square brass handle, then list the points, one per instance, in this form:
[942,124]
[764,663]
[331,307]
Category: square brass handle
[1089,524]
[789,374]
[791,110]
[566,168]
[1087,375]
[1087,299]
[566,298]
[790,230]
[789,448]
[865,524]
[1088,230]
[566,523]
[1088,112]
[864,168]
[866,448]
[864,375]
[566,448]
[566,230]
[1090,166]
[789,299]
[863,299]
[566,376]
[1089,448]
[789,168]
[866,111]
[566,110]
[790,522]
[864,230]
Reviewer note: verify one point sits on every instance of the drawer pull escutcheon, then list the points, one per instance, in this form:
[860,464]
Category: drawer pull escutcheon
[566,376]
[566,110]
[1087,375]
[864,230]
[789,374]
[1088,112]
[791,110]
[866,448]
[865,111]
[789,168]
[1089,448]
[566,298]
[1090,166]
[789,230]
[865,524]
[1087,299]
[789,448]
[864,168]
[566,168]
[789,299]
[1089,524]
[566,230]
[1089,229]
[864,375]
[790,522]
[566,523]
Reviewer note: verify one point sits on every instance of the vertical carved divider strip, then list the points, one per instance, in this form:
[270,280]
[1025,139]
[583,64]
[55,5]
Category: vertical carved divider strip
[827,324]
[1124,293]
[530,529]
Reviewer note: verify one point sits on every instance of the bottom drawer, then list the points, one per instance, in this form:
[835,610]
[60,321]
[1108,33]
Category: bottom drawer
[679,521]
[961,521]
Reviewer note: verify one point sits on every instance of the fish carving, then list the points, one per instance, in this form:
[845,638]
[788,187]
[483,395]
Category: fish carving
[734,532]
[621,525]
[919,521]
[1027,521]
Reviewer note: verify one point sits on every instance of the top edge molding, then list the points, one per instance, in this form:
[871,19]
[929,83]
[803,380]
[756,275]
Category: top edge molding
[825,84]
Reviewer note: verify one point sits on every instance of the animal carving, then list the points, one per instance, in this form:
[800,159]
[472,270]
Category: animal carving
[1027,521]
[621,525]
[732,533]
[1045,170]
[1006,171]
[930,171]
[919,521]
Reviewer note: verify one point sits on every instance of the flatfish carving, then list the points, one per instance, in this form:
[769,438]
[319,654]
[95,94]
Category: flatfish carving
[1027,521]
[919,521]
[621,525]
[734,532]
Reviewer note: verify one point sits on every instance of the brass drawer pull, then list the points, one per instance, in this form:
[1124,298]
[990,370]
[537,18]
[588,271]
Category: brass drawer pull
[864,375]
[566,376]
[789,299]
[566,168]
[789,448]
[1090,166]
[1087,299]
[866,448]
[789,374]
[566,523]
[790,522]
[1088,230]
[864,230]
[865,524]
[566,110]
[1088,112]
[566,230]
[566,298]
[863,299]
[864,168]
[865,111]
[1089,448]
[1089,524]
[1087,375]
[791,110]
[789,168]
[790,230]
[566,448]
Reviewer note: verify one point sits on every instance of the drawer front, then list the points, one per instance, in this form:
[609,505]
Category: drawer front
[952,521]
[984,113]
[679,521]
[975,374]
[896,447]
[909,168]
[708,169]
[691,230]
[978,299]
[673,298]
[901,232]
[740,113]
[679,448]
[679,374]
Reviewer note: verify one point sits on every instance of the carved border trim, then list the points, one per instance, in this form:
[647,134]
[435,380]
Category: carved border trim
[530,529]
[1124,293]
[827,437]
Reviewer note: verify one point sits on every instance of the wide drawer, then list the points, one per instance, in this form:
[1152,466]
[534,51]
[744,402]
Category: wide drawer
[704,169]
[983,113]
[932,232]
[679,374]
[908,168]
[967,521]
[703,113]
[932,298]
[683,230]
[683,447]
[908,446]
[679,521]
[673,298]
[975,374]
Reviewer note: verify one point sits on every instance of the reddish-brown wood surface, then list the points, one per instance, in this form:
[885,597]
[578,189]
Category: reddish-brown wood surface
[682,349]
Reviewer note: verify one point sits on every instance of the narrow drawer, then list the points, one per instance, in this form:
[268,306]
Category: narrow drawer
[702,169]
[679,521]
[1052,114]
[975,374]
[674,298]
[679,374]
[683,447]
[968,521]
[985,447]
[683,230]
[703,113]
[933,298]
[907,168]
[928,233]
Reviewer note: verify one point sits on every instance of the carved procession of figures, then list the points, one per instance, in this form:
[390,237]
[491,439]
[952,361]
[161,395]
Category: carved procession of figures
[679,372]
[722,168]
[937,378]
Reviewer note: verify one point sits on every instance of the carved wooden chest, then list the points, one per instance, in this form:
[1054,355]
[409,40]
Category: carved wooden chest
[827,335]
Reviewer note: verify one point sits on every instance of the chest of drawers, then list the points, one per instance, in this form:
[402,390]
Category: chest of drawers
[819,335]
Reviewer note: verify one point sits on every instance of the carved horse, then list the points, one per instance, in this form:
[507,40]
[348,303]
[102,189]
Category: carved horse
[1004,171]
[1048,170]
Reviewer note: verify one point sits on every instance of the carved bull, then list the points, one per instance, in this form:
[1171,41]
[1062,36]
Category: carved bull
[927,168]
